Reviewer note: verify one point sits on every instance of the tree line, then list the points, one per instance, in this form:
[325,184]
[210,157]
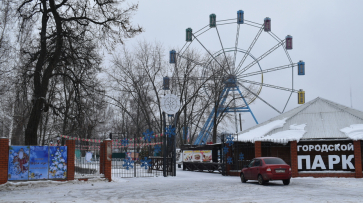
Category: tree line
[53,81]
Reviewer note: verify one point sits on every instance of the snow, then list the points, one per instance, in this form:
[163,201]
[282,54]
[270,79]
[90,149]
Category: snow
[257,133]
[354,132]
[185,187]
[295,133]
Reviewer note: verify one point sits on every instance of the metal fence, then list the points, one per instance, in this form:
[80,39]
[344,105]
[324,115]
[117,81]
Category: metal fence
[87,160]
[128,168]
[242,153]
[236,156]
[138,156]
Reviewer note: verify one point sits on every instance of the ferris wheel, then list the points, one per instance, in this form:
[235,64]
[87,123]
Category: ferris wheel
[238,68]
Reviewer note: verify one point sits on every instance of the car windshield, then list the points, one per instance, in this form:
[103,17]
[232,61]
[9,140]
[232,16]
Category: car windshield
[274,161]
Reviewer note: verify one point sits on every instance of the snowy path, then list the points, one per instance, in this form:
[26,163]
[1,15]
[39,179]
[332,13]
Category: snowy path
[188,187]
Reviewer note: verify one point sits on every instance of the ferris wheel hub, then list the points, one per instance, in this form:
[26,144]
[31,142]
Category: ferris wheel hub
[230,80]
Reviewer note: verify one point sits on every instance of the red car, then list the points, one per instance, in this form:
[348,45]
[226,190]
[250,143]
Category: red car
[265,169]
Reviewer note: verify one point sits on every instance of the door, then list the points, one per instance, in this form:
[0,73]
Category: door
[248,171]
[255,170]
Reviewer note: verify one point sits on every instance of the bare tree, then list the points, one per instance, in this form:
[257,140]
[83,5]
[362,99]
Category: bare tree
[65,26]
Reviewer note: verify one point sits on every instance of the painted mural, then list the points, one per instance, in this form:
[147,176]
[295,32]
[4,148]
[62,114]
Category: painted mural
[37,162]
[18,167]
[38,165]
[58,162]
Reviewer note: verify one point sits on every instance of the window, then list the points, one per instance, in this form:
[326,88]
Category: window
[257,162]
[251,164]
[274,161]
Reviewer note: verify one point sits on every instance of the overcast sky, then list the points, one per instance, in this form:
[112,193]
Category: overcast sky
[326,35]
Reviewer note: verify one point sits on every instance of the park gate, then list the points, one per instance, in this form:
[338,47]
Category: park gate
[87,158]
[149,155]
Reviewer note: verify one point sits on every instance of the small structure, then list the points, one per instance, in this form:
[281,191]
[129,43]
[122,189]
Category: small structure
[240,17]
[267,24]
[189,35]
[301,68]
[212,20]
[202,157]
[301,97]
[166,81]
[172,56]
[288,42]
[320,139]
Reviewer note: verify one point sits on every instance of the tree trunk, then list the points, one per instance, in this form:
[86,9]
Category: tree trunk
[32,127]
[41,82]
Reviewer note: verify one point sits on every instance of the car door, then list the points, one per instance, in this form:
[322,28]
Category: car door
[255,170]
[248,171]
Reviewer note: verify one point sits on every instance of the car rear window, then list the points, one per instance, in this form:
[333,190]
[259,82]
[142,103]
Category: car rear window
[274,161]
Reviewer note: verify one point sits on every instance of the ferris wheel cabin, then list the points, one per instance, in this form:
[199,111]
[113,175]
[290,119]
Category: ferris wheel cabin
[172,56]
[189,34]
[301,97]
[212,20]
[267,24]
[166,81]
[240,17]
[301,68]
[288,42]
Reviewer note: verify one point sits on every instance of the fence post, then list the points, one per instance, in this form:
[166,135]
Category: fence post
[358,159]
[4,159]
[258,149]
[107,159]
[71,146]
[293,153]
[102,147]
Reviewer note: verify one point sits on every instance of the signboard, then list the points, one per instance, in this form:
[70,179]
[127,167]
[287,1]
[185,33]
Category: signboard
[197,155]
[58,162]
[170,104]
[132,155]
[109,151]
[326,156]
[37,162]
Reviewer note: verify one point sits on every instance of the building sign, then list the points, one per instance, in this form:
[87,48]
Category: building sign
[197,156]
[325,156]
[37,162]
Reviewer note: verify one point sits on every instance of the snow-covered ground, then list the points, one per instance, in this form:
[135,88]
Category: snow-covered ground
[186,187]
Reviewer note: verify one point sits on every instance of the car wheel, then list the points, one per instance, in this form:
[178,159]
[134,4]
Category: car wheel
[261,181]
[286,182]
[243,179]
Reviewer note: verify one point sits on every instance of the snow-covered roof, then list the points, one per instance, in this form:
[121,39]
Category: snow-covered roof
[323,119]
[354,132]
[258,133]
[295,133]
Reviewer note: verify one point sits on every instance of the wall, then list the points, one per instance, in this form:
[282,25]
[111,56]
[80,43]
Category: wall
[356,173]
[4,157]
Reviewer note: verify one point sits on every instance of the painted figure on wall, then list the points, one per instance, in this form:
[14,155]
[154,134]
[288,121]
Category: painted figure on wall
[22,160]
[18,163]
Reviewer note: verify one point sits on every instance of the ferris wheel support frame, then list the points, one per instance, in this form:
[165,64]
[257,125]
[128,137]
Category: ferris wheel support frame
[206,130]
